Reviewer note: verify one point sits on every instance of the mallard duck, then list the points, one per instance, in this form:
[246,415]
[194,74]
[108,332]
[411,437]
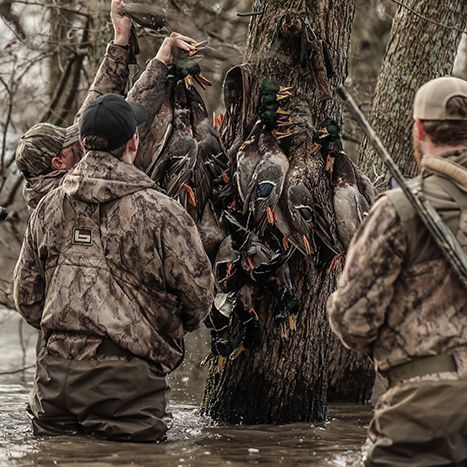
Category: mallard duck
[270,270]
[300,208]
[181,153]
[275,118]
[306,218]
[266,183]
[238,114]
[145,15]
[189,70]
[328,142]
[248,157]
[219,323]
[227,266]
[350,206]
[210,232]
[245,310]
[211,160]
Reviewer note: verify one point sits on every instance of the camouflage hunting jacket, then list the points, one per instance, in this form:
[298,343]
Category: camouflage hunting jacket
[112,76]
[397,297]
[151,91]
[106,255]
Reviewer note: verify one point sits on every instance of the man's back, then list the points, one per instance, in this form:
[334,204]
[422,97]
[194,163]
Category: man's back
[119,259]
[399,301]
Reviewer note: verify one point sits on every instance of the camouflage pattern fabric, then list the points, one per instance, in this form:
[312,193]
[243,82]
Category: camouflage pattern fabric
[40,144]
[420,424]
[399,300]
[393,299]
[44,141]
[118,259]
[151,91]
[37,187]
[112,76]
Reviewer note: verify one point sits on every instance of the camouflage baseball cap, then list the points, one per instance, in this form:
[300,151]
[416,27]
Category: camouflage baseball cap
[40,144]
[432,97]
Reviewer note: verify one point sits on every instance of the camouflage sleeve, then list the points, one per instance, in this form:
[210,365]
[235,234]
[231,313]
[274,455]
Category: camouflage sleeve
[358,307]
[187,268]
[28,282]
[150,91]
[112,75]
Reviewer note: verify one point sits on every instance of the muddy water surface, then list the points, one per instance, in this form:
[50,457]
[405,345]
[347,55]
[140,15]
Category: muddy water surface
[193,441]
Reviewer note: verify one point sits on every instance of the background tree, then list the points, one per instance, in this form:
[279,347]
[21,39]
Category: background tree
[424,40]
[285,380]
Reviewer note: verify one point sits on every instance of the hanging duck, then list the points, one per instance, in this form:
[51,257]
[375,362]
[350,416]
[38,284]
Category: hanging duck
[275,118]
[181,155]
[210,231]
[227,266]
[211,161]
[266,183]
[328,143]
[219,321]
[350,206]
[246,312]
[248,157]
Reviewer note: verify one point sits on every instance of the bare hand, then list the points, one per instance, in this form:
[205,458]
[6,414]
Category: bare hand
[168,51]
[121,24]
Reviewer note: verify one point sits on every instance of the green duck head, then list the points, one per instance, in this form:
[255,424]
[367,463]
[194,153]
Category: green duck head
[269,86]
[331,127]
[185,66]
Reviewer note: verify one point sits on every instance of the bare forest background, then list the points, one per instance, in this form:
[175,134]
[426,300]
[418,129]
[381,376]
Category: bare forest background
[50,51]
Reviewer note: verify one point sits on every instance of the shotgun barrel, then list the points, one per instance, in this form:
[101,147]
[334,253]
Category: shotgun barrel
[440,232]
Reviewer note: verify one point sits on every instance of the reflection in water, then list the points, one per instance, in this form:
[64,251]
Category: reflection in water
[193,441]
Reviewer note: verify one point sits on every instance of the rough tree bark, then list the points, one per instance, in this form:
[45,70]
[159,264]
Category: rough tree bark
[423,44]
[351,374]
[285,380]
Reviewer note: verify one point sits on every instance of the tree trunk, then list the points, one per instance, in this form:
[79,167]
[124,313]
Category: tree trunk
[423,44]
[285,380]
[370,35]
[351,374]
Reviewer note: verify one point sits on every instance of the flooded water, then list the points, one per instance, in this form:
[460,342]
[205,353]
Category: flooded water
[193,441]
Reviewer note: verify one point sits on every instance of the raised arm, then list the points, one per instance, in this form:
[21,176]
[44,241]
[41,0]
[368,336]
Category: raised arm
[151,88]
[112,75]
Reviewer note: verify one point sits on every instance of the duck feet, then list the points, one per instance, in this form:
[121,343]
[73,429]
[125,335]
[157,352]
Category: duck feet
[335,261]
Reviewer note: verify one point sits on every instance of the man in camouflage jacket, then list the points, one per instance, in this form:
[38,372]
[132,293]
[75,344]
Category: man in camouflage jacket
[46,152]
[114,274]
[399,301]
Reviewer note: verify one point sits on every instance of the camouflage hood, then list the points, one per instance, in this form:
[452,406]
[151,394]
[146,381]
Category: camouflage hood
[37,187]
[100,178]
